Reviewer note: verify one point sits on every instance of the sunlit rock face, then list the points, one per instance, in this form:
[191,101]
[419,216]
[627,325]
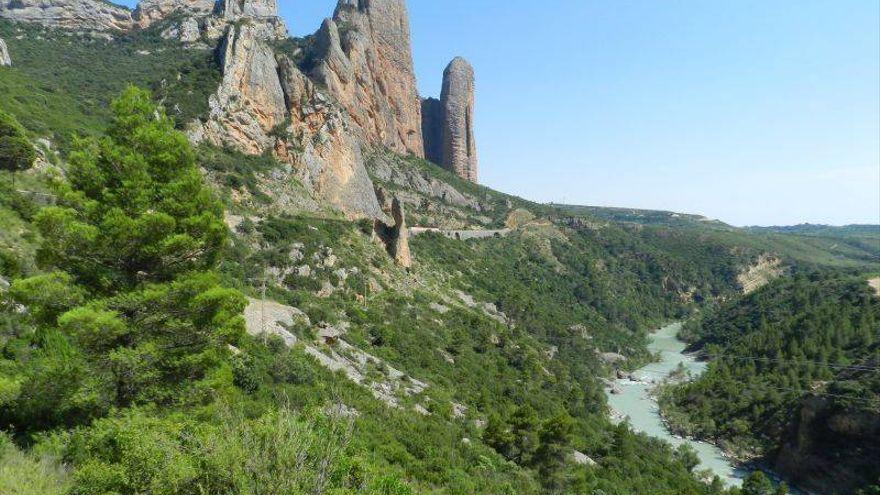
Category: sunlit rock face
[85,15]
[448,123]
[365,60]
[250,8]
[151,11]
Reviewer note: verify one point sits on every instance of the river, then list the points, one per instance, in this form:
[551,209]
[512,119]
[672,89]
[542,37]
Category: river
[635,401]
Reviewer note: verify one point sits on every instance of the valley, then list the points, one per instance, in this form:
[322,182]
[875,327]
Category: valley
[234,261]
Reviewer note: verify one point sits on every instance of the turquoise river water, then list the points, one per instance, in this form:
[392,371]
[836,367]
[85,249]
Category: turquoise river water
[635,403]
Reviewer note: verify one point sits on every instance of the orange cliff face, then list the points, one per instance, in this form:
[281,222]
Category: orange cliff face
[365,61]
[448,123]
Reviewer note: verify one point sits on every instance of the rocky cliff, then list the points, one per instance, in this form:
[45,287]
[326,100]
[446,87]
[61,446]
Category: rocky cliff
[459,146]
[432,129]
[90,15]
[831,449]
[448,124]
[250,8]
[364,58]
[151,11]
[269,99]
[266,104]
[5,59]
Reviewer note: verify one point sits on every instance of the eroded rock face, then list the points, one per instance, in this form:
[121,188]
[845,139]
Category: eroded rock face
[760,273]
[250,101]
[396,236]
[267,104]
[459,146]
[5,59]
[150,11]
[432,129]
[400,247]
[90,15]
[365,59]
[317,142]
[250,8]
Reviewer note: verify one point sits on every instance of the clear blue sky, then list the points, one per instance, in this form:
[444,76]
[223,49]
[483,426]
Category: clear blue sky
[749,111]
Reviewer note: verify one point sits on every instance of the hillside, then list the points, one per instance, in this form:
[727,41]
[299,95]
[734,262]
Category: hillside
[792,378]
[252,270]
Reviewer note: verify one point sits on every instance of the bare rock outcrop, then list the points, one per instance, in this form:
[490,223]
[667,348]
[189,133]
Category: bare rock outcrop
[459,146]
[5,59]
[400,248]
[365,60]
[448,123]
[265,103]
[432,129]
[760,273]
[318,143]
[250,101]
[151,11]
[395,237]
[250,8]
[88,15]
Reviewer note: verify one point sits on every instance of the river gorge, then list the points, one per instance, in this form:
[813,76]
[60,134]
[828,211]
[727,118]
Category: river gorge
[632,398]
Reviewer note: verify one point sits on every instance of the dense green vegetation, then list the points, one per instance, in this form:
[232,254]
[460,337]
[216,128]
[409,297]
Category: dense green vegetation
[130,371]
[852,246]
[813,335]
[16,152]
[124,353]
[61,83]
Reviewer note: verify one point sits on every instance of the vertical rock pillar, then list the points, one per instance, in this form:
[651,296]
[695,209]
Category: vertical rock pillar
[459,146]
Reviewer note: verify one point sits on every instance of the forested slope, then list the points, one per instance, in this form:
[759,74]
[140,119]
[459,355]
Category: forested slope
[794,377]
[127,366]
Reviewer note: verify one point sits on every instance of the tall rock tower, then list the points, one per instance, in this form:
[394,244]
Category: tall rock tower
[448,124]
[365,60]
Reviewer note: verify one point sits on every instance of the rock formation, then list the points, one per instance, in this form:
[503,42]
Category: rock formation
[250,101]
[320,146]
[90,15]
[364,58]
[432,129]
[459,147]
[5,59]
[250,8]
[447,124]
[400,248]
[265,103]
[151,11]
[760,273]
[354,87]
[395,237]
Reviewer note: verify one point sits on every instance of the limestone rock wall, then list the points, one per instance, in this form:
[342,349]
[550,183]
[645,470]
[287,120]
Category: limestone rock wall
[432,129]
[250,101]
[457,98]
[250,8]
[90,15]
[448,124]
[265,103]
[365,60]
[151,11]
[5,59]
[319,144]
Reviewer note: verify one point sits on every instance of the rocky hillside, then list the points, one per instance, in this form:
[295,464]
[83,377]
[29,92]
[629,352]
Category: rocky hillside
[792,378]
[268,99]
[388,325]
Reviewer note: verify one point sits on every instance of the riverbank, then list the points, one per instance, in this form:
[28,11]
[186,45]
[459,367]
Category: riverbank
[634,400]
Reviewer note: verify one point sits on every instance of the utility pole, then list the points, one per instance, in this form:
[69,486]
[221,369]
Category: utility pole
[263,310]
